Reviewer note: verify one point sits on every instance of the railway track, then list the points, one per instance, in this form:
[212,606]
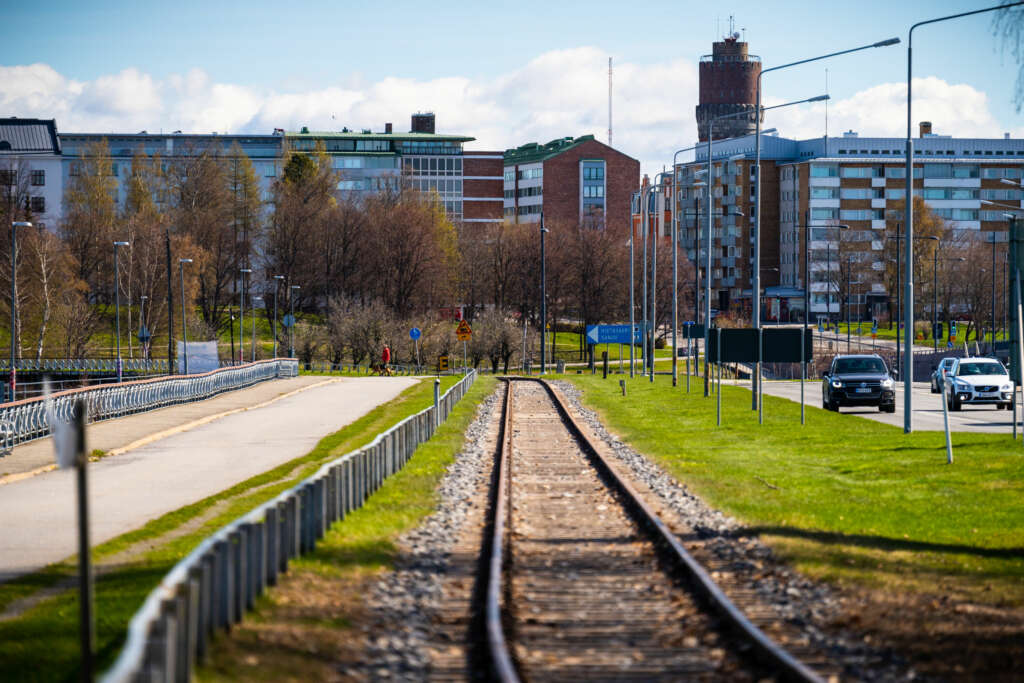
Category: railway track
[584,582]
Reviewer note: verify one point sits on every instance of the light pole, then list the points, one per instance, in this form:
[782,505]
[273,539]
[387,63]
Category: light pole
[807,298]
[184,331]
[849,264]
[143,332]
[241,314]
[757,165]
[658,185]
[543,296]
[291,328]
[252,305]
[117,308]
[277,282]
[908,335]
[14,297]
[908,423]
[632,304]
[675,263]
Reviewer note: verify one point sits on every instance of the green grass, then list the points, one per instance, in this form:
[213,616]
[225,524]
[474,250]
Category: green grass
[362,544]
[853,499]
[885,333]
[42,644]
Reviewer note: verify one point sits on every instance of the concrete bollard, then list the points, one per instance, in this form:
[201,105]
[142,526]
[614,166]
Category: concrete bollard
[622,385]
[238,557]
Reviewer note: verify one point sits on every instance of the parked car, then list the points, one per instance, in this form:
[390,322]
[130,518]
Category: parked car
[860,380]
[978,381]
[939,374]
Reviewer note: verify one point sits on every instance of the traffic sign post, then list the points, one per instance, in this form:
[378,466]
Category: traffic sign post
[464,332]
[415,335]
[442,363]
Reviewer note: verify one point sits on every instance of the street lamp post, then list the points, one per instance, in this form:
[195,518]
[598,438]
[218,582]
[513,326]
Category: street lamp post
[849,264]
[252,305]
[184,331]
[757,165]
[543,297]
[241,314]
[142,326]
[277,281]
[908,423]
[291,328]
[117,309]
[14,298]
[632,304]
[649,334]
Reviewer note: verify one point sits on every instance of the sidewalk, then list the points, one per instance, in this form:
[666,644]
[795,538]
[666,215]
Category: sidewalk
[111,436]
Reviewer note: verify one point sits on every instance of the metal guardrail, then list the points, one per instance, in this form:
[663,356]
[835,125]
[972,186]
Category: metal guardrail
[156,365]
[211,588]
[25,420]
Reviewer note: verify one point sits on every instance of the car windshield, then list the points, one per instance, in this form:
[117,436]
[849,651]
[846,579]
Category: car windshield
[981,369]
[846,366]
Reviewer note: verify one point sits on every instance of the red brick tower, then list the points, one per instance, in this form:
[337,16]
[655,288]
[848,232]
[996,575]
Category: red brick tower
[728,84]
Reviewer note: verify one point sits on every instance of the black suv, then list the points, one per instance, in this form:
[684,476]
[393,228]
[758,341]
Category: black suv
[858,381]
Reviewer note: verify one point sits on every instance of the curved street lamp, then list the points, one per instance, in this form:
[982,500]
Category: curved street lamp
[184,330]
[117,308]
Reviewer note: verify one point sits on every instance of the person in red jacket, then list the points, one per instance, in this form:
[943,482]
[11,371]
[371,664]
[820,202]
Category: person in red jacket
[385,357]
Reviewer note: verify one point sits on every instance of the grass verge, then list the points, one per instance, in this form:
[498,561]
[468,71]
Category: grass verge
[303,625]
[844,499]
[41,643]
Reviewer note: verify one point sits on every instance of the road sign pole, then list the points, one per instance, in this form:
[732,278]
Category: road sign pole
[719,397]
[465,362]
[417,354]
[803,369]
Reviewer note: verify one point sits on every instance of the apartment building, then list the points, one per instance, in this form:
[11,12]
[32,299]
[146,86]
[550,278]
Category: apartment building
[570,180]
[30,167]
[847,180]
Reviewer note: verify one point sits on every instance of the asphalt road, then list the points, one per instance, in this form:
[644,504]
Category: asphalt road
[130,489]
[927,409]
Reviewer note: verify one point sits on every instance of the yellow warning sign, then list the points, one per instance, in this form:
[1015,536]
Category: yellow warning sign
[442,363]
[463,331]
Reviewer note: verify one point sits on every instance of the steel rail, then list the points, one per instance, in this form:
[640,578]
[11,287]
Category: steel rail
[499,656]
[767,651]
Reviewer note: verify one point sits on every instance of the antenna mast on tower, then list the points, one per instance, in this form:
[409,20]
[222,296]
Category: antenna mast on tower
[609,101]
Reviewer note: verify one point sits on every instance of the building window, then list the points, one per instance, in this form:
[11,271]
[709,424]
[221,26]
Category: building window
[38,204]
[593,173]
[113,170]
[818,213]
[38,178]
[510,176]
[824,192]
[269,170]
[822,171]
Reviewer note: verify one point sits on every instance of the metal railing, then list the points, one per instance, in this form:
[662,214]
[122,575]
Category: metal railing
[211,588]
[25,420]
[156,365]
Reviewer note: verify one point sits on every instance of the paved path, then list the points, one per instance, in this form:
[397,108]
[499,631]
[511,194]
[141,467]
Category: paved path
[130,489]
[927,409]
[111,435]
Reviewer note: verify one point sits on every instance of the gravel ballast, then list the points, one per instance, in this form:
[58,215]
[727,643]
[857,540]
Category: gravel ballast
[404,602]
[804,604]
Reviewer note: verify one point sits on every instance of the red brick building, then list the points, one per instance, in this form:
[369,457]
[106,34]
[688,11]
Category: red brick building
[570,180]
[482,187]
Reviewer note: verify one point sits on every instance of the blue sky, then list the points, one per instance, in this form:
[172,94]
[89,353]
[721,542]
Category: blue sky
[505,72]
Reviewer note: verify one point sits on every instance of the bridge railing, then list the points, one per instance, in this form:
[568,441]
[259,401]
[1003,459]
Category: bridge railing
[211,588]
[154,365]
[25,420]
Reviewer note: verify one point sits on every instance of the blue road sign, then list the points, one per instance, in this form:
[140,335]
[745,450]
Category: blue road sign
[288,320]
[612,334]
[144,335]
[415,333]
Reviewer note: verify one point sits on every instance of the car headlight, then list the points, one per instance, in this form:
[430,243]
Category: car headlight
[887,383]
[836,384]
[1007,387]
[962,386]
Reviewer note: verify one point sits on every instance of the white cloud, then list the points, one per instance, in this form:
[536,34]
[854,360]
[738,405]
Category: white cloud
[558,93]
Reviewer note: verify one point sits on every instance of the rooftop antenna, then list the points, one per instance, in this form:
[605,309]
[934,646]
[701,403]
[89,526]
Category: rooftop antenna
[609,101]
[732,25]
[744,34]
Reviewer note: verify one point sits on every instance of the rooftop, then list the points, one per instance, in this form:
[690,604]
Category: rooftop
[366,134]
[29,136]
[532,152]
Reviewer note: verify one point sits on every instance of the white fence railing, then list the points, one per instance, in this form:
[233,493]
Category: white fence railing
[156,365]
[25,420]
[216,583]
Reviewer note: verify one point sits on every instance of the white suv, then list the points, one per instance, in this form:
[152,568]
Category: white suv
[978,381]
